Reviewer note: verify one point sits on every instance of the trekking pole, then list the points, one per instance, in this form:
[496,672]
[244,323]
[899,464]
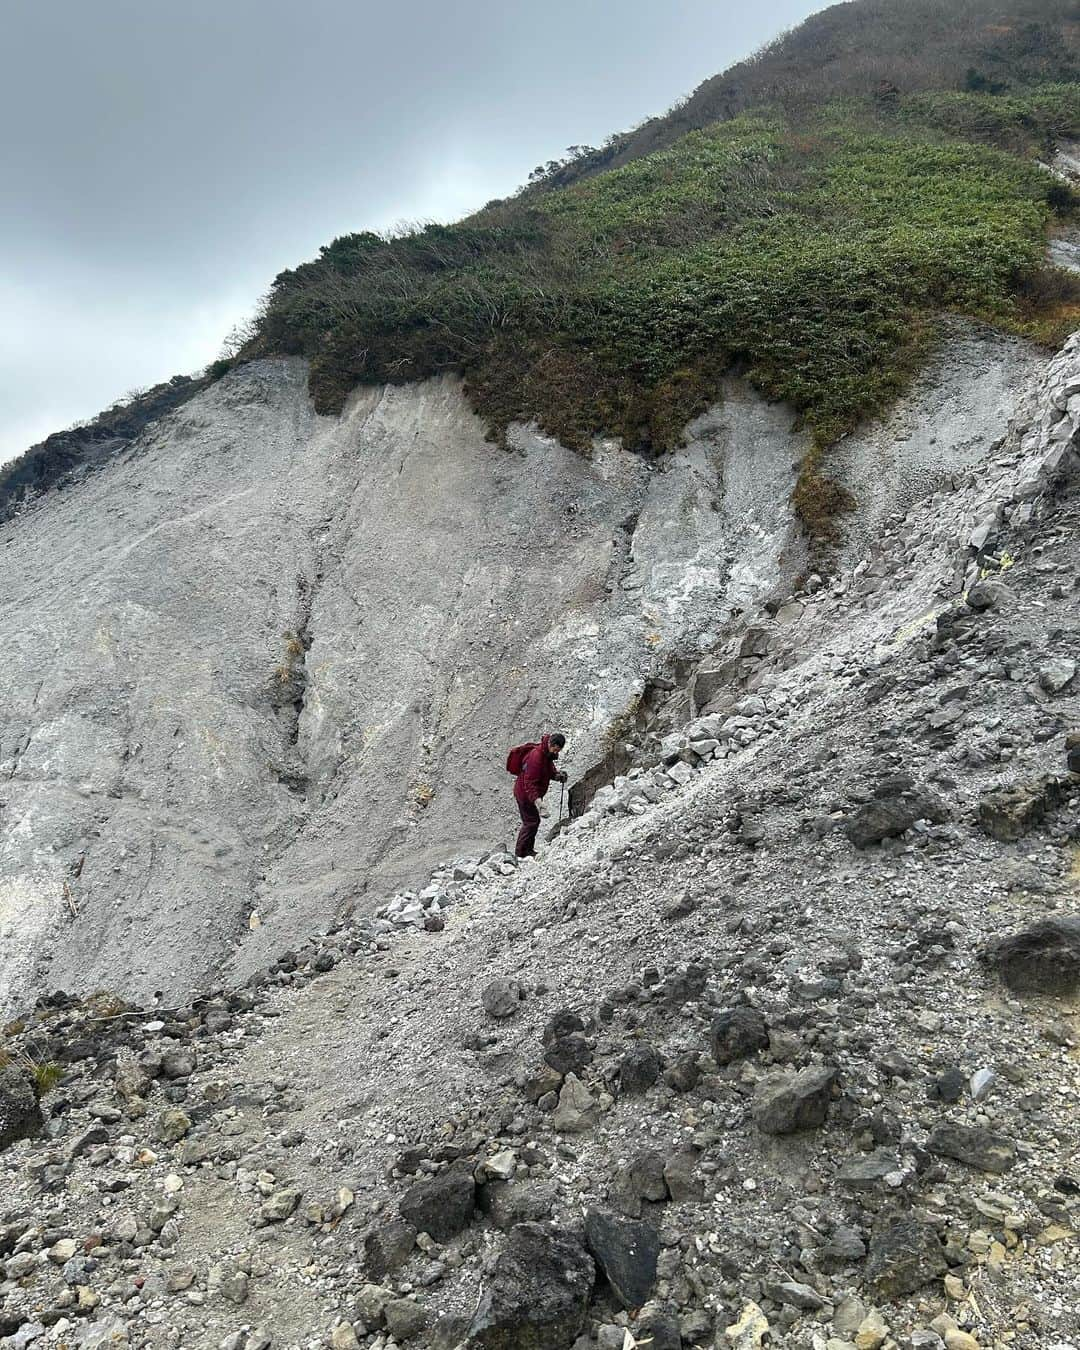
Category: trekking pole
[562,791]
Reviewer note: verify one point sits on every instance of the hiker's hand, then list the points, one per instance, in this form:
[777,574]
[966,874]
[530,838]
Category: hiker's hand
[561,776]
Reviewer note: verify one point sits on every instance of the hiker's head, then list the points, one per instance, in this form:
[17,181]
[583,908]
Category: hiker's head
[556,741]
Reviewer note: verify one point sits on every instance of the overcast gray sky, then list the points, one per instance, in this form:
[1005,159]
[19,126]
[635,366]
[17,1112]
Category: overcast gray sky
[161,160]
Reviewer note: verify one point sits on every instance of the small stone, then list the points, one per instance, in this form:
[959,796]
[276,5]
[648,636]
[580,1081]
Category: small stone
[1056,674]
[639,1069]
[904,1256]
[872,1331]
[388,1247]
[280,1205]
[63,1251]
[441,1207]
[178,1062]
[537,1294]
[681,1177]
[955,1339]
[785,1104]
[343,1337]
[577,1110]
[171,1125]
[404,1318]
[973,1146]
[178,1276]
[795,1295]
[749,1331]
[502,998]
[229,1282]
[738,1033]
[20,1114]
[1041,959]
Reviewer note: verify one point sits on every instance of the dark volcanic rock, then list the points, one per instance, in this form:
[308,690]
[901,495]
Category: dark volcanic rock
[502,997]
[442,1206]
[974,1146]
[868,1172]
[658,1328]
[626,1250]
[20,1115]
[388,1247]
[897,805]
[639,1068]
[787,1103]
[538,1294]
[903,1257]
[568,1054]
[1042,959]
[737,1033]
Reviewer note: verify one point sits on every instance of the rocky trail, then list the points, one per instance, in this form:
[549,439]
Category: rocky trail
[778,1044]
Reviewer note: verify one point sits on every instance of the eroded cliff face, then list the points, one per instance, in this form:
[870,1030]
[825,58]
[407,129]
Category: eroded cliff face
[268,664]
[263,668]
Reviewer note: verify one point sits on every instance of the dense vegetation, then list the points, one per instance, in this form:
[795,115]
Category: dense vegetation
[810,250]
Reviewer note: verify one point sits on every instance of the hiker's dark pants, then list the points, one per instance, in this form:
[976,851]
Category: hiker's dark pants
[530,823]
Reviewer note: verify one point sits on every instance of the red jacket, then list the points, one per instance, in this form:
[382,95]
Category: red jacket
[536,773]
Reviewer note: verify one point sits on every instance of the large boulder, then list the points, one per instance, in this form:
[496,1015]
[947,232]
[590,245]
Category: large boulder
[787,1103]
[537,1297]
[1042,959]
[897,804]
[441,1207]
[627,1251]
[20,1114]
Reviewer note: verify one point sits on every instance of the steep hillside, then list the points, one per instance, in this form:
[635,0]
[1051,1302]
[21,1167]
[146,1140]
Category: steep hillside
[741,1062]
[274,660]
[810,243]
[876,47]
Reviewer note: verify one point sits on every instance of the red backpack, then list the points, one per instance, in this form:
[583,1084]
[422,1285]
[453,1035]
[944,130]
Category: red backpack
[515,760]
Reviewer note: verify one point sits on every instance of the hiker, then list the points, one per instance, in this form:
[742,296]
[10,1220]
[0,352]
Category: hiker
[535,767]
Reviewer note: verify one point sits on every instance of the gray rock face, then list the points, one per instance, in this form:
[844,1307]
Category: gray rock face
[1042,959]
[275,660]
[538,1294]
[20,1115]
[946,422]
